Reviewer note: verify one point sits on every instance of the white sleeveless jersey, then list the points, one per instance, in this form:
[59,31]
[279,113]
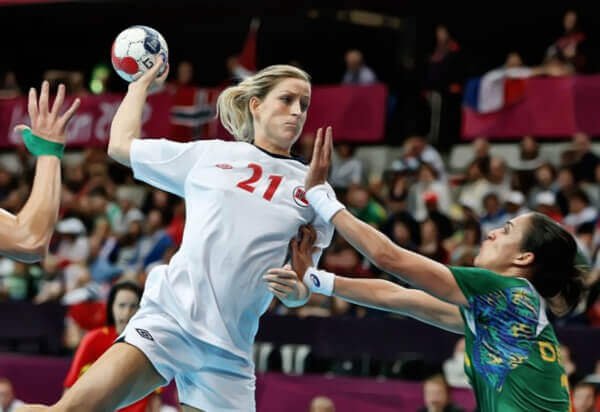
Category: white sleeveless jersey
[243,206]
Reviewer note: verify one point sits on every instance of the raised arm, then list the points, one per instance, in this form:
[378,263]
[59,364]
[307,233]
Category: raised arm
[26,235]
[127,122]
[419,271]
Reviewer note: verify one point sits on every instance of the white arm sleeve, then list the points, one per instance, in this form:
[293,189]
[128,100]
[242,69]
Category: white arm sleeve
[165,164]
[325,232]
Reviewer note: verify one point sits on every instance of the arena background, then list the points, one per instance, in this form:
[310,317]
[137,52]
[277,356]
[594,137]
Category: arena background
[374,363]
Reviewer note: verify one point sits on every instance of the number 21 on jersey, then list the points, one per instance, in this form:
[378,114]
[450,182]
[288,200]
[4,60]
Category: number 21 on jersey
[250,184]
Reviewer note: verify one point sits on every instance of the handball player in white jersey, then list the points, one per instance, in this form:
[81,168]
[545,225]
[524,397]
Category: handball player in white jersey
[244,201]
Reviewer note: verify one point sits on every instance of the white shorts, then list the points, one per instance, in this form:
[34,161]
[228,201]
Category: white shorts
[207,377]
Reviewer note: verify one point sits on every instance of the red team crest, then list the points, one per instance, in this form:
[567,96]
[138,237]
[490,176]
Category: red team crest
[300,196]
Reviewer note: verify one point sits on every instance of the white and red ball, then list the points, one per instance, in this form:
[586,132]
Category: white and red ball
[134,50]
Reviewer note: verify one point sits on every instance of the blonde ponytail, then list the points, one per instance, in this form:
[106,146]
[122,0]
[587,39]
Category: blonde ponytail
[233,103]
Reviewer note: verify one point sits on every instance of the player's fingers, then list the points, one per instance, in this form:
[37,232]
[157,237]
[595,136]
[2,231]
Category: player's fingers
[64,119]
[294,245]
[306,242]
[328,145]
[277,293]
[283,284]
[20,128]
[152,72]
[317,146]
[281,273]
[44,95]
[164,75]
[311,234]
[58,100]
[32,105]
[276,287]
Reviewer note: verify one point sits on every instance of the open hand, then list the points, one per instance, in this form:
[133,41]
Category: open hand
[46,122]
[321,159]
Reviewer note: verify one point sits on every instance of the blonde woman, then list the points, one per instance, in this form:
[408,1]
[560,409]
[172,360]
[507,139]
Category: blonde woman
[244,201]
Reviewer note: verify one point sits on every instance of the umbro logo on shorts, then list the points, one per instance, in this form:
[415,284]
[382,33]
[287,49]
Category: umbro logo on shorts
[144,334]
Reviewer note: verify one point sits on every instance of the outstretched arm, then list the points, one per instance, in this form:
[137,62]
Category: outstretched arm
[26,235]
[127,122]
[421,272]
[388,296]
[374,293]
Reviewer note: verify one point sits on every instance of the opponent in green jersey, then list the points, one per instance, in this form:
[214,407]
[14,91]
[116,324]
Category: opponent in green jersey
[511,356]
[511,350]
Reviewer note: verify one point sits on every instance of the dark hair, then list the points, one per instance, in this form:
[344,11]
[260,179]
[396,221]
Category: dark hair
[557,274]
[110,318]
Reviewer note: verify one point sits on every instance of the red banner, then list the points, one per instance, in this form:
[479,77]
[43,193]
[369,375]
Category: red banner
[90,127]
[356,114]
[551,107]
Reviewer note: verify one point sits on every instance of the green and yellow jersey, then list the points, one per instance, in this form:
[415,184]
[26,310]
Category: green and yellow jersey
[511,356]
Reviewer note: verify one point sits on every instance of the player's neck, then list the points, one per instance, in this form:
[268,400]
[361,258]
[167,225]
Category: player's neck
[271,148]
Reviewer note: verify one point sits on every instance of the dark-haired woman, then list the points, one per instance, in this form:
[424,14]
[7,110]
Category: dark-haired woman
[122,303]
[512,356]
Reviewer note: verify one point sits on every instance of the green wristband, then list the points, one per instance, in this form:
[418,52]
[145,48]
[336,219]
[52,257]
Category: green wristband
[39,146]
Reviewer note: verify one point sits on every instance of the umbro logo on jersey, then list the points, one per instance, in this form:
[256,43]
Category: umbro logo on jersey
[315,280]
[300,196]
[224,166]
[144,334]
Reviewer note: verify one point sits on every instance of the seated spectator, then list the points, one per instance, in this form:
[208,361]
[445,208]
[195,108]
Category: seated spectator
[155,240]
[8,402]
[441,220]
[416,150]
[514,204]
[437,395]
[582,160]
[545,202]
[72,243]
[357,72]
[431,243]
[464,244]
[364,206]
[528,162]
[494,214]
[403,230]
[499,177]
[397,180]
[544,180]
[580,210]
[346,169]
[584,397]
[428,181]
[475,186]
[321,404]
[19,283]
[565,185]
[51,286]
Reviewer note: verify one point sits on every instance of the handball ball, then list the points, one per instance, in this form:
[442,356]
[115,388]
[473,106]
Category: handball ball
[134,50]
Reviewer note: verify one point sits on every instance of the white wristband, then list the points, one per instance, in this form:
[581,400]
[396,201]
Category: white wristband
[319,281]
[323,201]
